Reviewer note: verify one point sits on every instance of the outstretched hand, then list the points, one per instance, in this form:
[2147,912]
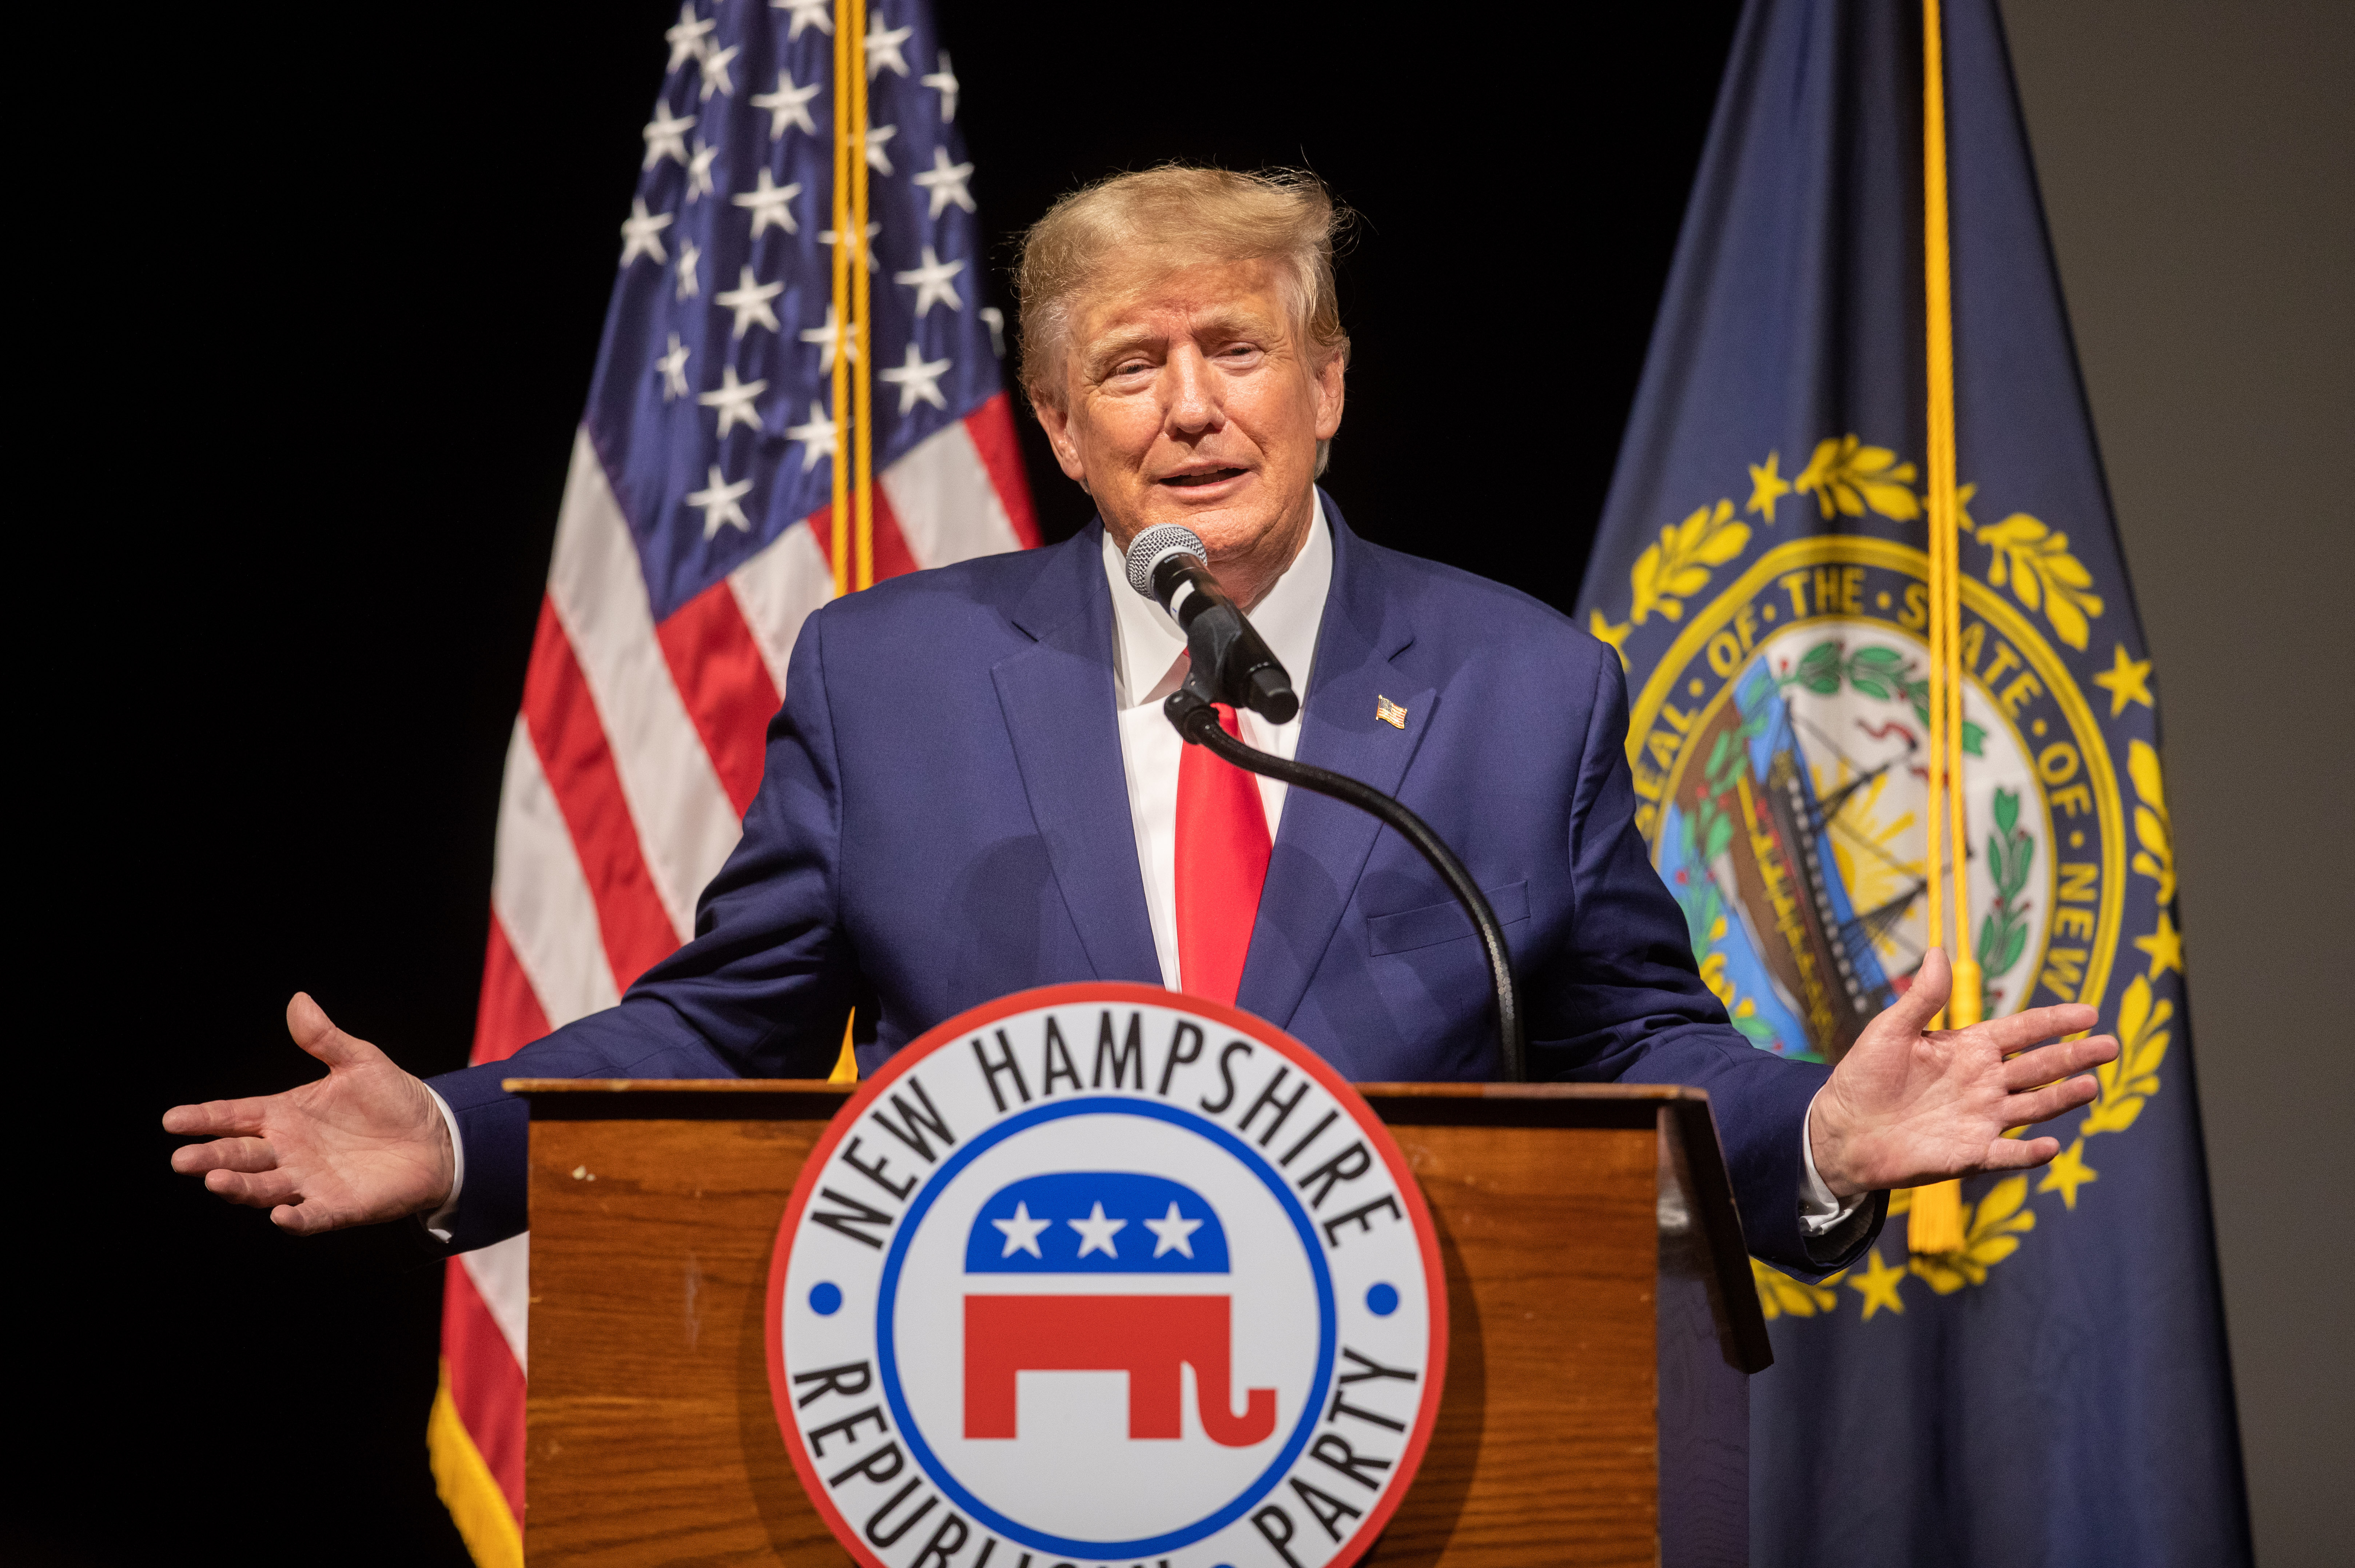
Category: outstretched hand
[1908,1104]
[363,1144]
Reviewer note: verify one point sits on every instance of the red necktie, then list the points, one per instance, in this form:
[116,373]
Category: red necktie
[1221,865]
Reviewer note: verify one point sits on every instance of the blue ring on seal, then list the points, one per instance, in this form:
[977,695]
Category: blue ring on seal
[886,1359]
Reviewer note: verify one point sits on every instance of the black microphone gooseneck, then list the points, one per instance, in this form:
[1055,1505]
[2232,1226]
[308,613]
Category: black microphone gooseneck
[1230,664]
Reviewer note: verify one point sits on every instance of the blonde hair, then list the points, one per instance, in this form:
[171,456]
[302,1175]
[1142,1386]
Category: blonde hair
[1172,217]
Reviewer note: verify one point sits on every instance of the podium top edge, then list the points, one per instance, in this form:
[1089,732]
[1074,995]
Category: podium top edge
[1379,1091]
[769,1099]
[675,1086]
[1531,1092]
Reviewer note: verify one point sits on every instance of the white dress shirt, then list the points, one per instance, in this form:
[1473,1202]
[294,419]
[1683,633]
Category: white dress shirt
[1149,663]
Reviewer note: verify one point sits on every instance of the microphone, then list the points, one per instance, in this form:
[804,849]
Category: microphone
[1168,565]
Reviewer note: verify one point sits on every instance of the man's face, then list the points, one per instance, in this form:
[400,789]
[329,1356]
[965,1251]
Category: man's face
[1191,399]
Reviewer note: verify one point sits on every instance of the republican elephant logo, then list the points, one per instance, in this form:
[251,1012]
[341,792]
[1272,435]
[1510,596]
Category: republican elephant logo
[1093,1226]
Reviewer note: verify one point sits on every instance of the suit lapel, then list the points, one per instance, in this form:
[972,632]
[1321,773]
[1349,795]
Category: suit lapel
[1322,844]
[1056,698]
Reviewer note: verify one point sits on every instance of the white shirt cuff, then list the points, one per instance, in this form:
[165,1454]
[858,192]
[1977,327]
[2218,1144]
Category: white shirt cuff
[438,1222]
[1820,1209]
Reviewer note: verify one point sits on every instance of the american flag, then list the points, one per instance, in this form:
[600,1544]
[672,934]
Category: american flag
[694,539]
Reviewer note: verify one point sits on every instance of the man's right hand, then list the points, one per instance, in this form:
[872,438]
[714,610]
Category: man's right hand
[364,1144]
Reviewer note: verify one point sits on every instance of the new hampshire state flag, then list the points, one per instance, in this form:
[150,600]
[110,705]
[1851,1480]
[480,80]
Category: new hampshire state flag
[2056,1392]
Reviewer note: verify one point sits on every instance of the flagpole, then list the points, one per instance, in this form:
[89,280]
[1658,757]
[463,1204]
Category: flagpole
[850,318]
[862,385]
[839,515]
[1936,1223]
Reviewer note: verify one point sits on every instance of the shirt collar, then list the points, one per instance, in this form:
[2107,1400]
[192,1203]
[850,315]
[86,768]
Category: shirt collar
[1146,643]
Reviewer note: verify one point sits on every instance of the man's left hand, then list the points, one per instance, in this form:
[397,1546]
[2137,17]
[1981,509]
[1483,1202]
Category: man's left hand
[1909,1104]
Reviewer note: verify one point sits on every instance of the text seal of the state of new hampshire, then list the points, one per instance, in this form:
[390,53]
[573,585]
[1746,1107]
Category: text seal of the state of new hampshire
[1100,1273]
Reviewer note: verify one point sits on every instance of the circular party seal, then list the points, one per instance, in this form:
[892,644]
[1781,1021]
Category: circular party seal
[1100,1273]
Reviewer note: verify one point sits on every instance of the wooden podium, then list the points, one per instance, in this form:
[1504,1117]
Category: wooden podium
[1602,1325]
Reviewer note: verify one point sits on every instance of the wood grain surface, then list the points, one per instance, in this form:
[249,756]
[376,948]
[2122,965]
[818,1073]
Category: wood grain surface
[651,1437]
[1544,1451]
[655,1210]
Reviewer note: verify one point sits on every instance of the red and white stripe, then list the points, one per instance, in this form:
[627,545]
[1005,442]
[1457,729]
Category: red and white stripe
[637,749]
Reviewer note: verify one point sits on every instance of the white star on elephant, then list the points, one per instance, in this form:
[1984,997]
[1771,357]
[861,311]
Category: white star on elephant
[1022,1232]
[1095,1230]
[1172,1232]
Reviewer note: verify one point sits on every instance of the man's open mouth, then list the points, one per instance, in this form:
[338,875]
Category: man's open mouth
[1213,476]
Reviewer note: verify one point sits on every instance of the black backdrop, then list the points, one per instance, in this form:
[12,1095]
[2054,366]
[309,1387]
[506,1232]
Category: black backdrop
[377,267]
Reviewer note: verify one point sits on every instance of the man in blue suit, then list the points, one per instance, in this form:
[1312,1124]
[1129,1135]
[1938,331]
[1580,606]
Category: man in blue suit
[971,791]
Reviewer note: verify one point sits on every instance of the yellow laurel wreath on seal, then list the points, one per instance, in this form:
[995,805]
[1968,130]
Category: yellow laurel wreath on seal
[1672,570]
[2042,573]
[1849,479]
[1846,476]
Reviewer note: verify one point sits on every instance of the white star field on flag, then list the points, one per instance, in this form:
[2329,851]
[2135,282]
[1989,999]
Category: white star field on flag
[642,233]
[719,502]
[698,526]
[917,381]
[667,136]
[789,105]
[829,236]
[749,300]
[734,401]
[769,204]
[826,336]
[735,210]
[932,282]
[673,367]
[699,170]
[883,47]
[818,13]
[686,39]
[944,83]
[944,182]
[714,73]
[818,438]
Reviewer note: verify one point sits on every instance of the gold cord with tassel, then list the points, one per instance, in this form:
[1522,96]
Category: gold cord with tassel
[1936,1222]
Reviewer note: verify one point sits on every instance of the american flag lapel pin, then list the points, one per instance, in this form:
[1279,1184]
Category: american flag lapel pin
[1389,712]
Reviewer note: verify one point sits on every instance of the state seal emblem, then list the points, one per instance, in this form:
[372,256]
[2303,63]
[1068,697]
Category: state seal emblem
[1777,749]
[1104,1274]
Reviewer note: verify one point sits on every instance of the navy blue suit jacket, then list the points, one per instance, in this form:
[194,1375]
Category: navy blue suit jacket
[943,819]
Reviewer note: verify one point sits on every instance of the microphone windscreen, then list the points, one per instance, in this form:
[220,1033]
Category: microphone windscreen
[1148,549]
